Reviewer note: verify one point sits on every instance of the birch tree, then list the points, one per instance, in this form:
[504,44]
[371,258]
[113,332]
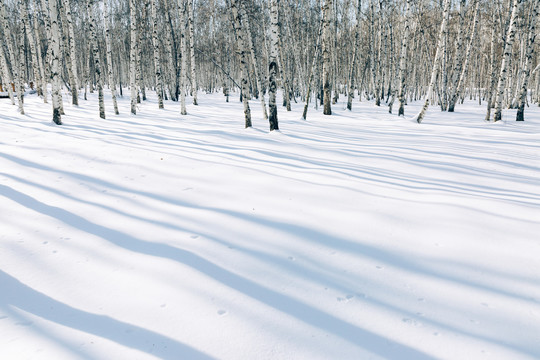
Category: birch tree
[273,65]
[436,61]
[326,49]
[107,26]
[503,74]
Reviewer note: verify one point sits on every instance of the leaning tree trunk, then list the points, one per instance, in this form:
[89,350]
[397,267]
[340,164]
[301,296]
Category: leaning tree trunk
[107,25]
[503,74]
[312,73]
[464,68]
[95,53]
[403,60]
[436,61]
[326,48]
[54,45]
[244,66]
[133,55]
[528,63]
[273,65]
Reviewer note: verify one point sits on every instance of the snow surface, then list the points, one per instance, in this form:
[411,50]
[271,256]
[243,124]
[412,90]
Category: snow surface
[356,236]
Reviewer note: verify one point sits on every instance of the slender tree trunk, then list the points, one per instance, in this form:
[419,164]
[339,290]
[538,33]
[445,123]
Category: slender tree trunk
[191,14]
[157,61]
[107,26]
[72,50]
[54,45]
[273,65]
[464,68]
[13,57]
[403,59]
[312,73]
[528,62]
[6,76]
[254,63]
[436,61]
[327,61]
[353,70]
[95,52]
[133,55]
[242,49]
[30,36]
[503,74]
[184,52]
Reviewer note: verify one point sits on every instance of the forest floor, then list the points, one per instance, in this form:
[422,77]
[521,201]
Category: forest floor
[359,235]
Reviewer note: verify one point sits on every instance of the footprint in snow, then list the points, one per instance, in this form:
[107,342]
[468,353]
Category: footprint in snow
[222,312]
[162,305]
[346,298]
[292,258]
[194,236]
[411,322]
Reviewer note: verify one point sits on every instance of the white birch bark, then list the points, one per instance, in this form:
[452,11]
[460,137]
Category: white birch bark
[190,16]
[183,52]
[30,36]
[95,53]
[528,63]
[273,65]
[326,48]
[465,67]
[157,61]
[44,81]
[6,76]
[107,26]
[503,74]
[352,74]
[133,55]
[254,63]
[12,56]
[436,61]
[73,52]
[241,52]
[54,45]
[403,59]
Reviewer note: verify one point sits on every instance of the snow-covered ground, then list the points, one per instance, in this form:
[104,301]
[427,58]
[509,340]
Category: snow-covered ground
[356,236]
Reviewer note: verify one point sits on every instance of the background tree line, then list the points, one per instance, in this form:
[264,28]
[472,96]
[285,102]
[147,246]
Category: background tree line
[387,51]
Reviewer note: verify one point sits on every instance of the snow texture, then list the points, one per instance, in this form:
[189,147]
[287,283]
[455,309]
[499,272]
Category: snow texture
[359,235]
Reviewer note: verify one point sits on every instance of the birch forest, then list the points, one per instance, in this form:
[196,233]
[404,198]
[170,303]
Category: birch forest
[390,52]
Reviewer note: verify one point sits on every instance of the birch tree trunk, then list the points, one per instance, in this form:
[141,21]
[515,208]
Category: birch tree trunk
[107,26]
[12,57]
[241,52]
[273,65]
[436,61]
[327,61]
[6,76]
[157,62]
[95,53]
[44,82]
[73,52]
[312,72]
[254,63]
[464,68]
[503,74]
[528,63]
[191,14]
[30,36]
[352,74]
[54,45]
[183,45]
[133,55]
[403,59]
